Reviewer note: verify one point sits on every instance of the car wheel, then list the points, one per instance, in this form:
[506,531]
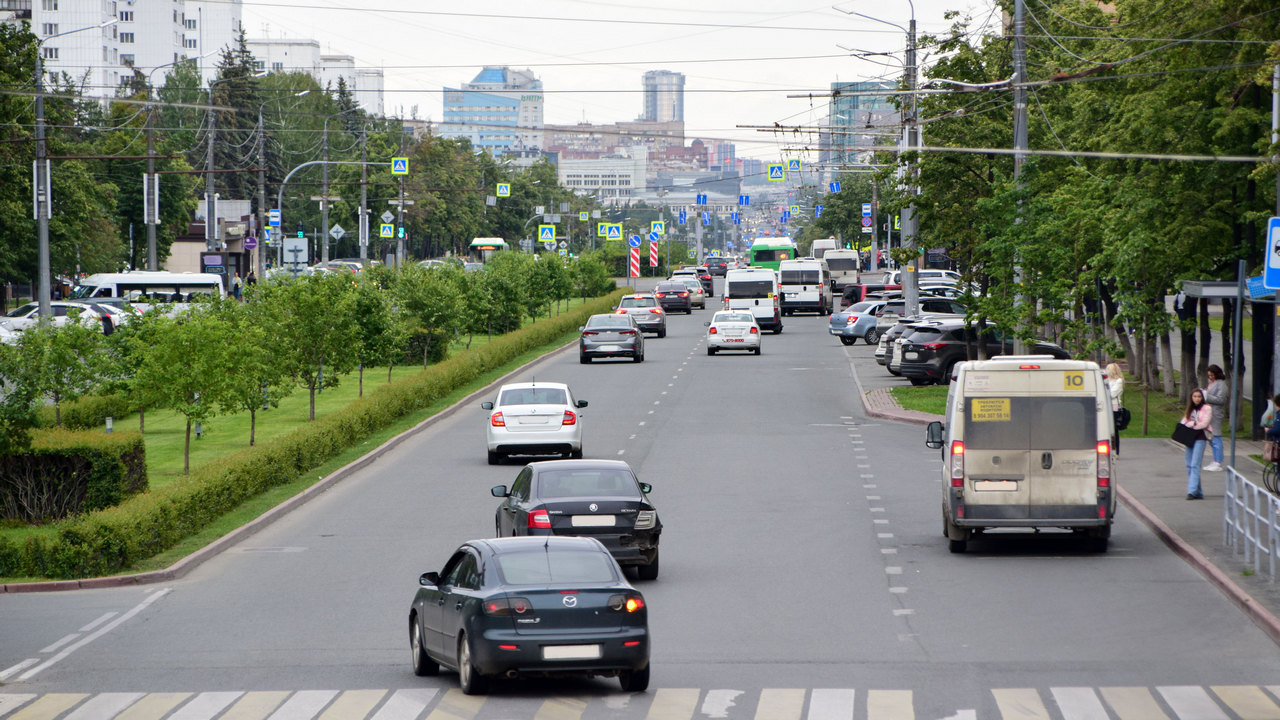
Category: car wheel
[662,333]
[634,680]
[920,381]
[584,359]
[495,458]
[423,665]
[576,454]
[957,538]
[650,571]
[848,340]
[469,679]
[711,350]
[757,350]
[777,330]
[688,310]
[893,372]
[1098,538]
[872,337]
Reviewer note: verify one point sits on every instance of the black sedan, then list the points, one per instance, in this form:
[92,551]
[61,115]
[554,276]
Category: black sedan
[610,336]
[512,607]
[601,499]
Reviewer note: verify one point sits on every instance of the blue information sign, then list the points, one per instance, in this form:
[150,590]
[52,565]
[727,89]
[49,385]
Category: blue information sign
[702,199]
[634,241]
[1271,275]
[683,217]
[834,187]
[744,200]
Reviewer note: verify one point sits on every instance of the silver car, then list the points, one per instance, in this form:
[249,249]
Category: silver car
[857,321]
[697,296]
[534,418]
[733,330]
[646,310]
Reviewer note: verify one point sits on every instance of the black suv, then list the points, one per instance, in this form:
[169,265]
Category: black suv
[674,296]
[930,354]
[718,265]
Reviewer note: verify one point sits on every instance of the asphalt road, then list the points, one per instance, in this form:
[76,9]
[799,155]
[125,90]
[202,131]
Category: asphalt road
[804,575]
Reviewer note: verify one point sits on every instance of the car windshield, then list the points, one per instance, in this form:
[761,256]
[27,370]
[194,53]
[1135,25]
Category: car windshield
[733,317]
[533,396]
[546,567]
[750,289]
[616,322]
[637,302]
[22,311]
[607,482]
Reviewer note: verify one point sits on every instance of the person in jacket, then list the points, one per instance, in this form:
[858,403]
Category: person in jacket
[1197,417]
[1216,397]
[1272,425]
[1115,388]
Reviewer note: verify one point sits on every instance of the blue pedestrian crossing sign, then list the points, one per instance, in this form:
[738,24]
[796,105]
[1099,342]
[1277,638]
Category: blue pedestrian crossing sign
[834,187]
[777,173]
[658,227]
[399,166]
[702,199]
[817,211]
[1271,275]
[614,232]
[744,200]
[504,189]
[386,230]
[793,165]
[583,215]
[546,232]
[602,229]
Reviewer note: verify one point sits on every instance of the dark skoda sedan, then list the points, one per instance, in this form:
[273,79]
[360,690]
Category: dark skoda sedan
[606,336]
[601,499]
[512,607]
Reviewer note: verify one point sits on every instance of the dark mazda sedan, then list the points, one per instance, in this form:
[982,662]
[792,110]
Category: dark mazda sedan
[512,607]
[610,335]
[674,296]
[601,499]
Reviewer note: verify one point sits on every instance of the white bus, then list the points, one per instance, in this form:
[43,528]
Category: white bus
[145,288]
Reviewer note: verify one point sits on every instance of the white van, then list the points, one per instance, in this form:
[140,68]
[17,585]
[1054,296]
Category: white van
[806,286]
[822,246]
[143,288]
[755,289]
[1026,443]
[843,264]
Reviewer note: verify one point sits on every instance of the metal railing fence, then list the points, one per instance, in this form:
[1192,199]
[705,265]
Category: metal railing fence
[1251,521]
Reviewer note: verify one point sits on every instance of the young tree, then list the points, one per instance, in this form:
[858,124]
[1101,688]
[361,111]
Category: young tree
[255,377]
[66,361]
[380,337]
[429,301]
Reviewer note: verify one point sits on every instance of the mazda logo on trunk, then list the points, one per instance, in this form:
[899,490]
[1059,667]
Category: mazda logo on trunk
[570,601]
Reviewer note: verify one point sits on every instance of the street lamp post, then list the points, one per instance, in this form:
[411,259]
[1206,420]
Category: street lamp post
[42,178]
[261,251]
[210,198]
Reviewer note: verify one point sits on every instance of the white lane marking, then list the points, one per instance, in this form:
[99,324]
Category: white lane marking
[866,476]
[304,705]
[671,384]
[95,635]
[877,509]
[854,434]
[642,423]
[206,705]
[880,522]
[104,705]
[903,611]
[864,466]
[830,704]
[633,437]
[893,570]
[406,704]
[857,442]
[673,377]
[60,643]
[873,497]
[657,402]
[664,392]
[99,621]
[6,674]
[12,701]
[1189,701]
[884,536]
[897,590]
[1078,703]
[846,417]
[717,703]
[888,551]
[650,412]
[621,451]
[859,457]
[871,486]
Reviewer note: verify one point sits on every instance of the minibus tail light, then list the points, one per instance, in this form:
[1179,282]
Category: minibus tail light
[1104,463]
[957,463]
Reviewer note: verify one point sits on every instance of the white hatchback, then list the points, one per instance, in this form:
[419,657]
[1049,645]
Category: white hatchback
[733,330]
[534,418]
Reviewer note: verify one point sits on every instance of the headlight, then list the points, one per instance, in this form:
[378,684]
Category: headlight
[646,519]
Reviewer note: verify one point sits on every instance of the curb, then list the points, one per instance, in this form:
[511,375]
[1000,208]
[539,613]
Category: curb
[190,562]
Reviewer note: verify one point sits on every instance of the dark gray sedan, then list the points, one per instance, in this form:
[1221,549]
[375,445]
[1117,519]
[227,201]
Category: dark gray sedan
[513,607]
[602,499]
[610,335]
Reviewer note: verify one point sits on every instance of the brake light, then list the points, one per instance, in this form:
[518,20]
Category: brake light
[621,312]
[1028,367]
[684,294]
[934,346]
[630,602]
[497,420]
[539,520]
[656,311]
[851,320]
[1104,463]
[508,606]
[627,332]
[957,463]
[755,330]
[569,418]
[589,333]
[661,295]
[712,331]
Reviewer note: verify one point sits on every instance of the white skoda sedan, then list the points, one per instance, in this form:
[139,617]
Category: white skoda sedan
[534,418]
[733,330]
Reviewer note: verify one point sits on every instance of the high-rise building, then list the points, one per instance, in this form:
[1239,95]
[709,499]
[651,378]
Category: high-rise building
[663,96]
[861,115]
[500,110]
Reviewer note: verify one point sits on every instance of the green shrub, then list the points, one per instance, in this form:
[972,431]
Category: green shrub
[87,413]
[111,540]
[65,473]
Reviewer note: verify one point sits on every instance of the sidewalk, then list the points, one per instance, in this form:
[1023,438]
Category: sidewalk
[1152,479]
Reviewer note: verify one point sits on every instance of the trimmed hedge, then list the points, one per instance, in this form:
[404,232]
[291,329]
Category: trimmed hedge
[111,540]
[65,473]
[87,413]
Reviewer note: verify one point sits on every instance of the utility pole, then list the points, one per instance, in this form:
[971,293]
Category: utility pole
[262,198]
[363,224]
[910,286]
[1019,129]
[400,233]
[42,190]
[151,192]
[210,205]
[875,223]
[324,197]
[1275,138]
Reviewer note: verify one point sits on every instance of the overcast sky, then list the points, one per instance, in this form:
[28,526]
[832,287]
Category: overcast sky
[741,58]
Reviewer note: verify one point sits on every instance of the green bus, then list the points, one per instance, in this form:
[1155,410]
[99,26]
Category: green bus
[769,251]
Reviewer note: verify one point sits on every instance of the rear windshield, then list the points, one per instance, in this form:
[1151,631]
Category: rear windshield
[640,302]
[896,308]
[733,317]
[801,277]
[671,287]
[533,396]
[924,335]
[841,264]
[555,566]
[586,483]
[862,307]
[749,289]
[609,321]
[1030,423]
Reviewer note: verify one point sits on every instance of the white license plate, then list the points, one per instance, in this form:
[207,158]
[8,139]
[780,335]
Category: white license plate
[996,485]
[609,348]
[734,340]
[910,356]
[592,521]
[534,420]
[571,652]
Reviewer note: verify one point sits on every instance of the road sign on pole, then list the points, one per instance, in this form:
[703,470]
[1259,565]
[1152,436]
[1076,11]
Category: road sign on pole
[634,241]
[658,226]
[273,218]
[683,217]
[793,165]
[1271,275]
[386,230]
[744,200]
[614,231]
[777,173]
[399,166]
[504,190]
[547,232]
[701,199]
[834,187]
[337,232]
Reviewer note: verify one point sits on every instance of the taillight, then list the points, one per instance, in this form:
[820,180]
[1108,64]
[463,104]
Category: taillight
[1028,367]
[661,295]
[957,463]
[539,520]
[934,346]
[508,606]
[569,418]
[621,312]
[712,330]
[589,333]
[1104,463]
[851,320]
[684,294]
[629,602]
[627,332]
[646,519]
[656,311]
[755,330]
[497,420]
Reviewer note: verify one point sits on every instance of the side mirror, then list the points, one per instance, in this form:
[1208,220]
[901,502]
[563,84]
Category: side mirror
[933,435]
[707,323]
[646,488]
[486,405]
[499,491]
[429,579]
[615,307]
[581,328]
[580,404]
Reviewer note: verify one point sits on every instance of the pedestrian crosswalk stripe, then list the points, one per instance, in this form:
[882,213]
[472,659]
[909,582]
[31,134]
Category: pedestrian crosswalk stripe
[780,704]
[562,708]
[825,704]
[1078,703]
[406,704]
[205,705]
[49,706]
[1020,704]
[1191,701]
[455,705]
[304,705]
[104,705]
[255,705]
[1133,703]
[13,701]
[890,705]
[1247,702]
[353,704]
[154,706]
[673,703]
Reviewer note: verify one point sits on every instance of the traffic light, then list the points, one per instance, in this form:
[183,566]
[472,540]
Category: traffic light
[400,232]
[301,233]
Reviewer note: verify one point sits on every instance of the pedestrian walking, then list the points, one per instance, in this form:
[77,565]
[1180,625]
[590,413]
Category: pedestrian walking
[1215,396]
[1115,388]
[251,278]
[1196,417]
[235,286]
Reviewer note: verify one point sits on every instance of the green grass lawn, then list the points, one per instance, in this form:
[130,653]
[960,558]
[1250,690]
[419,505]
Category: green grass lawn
[1215,322]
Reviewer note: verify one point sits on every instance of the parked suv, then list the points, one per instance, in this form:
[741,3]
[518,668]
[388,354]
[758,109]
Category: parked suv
[930,354]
